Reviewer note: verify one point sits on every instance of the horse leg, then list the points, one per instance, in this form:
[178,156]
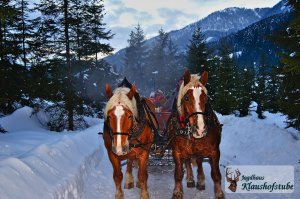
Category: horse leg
[178,176]
[189,174]
[143,175]
[129,182]
[216,175]
[118,175]
[201,177]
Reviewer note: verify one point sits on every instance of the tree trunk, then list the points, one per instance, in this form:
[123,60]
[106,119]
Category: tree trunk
[23,35]
[1,42]
[69,92]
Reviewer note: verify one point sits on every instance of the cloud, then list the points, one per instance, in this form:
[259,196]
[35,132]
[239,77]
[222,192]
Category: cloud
[123,15]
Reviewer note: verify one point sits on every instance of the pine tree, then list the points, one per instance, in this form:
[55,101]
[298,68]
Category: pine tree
[289,89]
[67,31]
[24,29]
[135,56]
[197,52]
[10,49]
[225,95]
[13,76]
[245,91]
[272,90]
[260,94]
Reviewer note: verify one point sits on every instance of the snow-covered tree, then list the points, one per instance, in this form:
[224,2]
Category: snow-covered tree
[226,92]
[245,89]
[260,91]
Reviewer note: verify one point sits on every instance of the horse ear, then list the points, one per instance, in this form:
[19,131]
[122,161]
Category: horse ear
[108,91]
[131,92]
[186,77]
[204,77]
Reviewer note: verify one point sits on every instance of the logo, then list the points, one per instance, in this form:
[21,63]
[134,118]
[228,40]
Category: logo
[233,181]
[259,179]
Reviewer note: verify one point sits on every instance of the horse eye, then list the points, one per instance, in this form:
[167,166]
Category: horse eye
[130,116]
[186,98]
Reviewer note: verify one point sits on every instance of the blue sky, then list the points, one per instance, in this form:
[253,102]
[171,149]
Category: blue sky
[123,15]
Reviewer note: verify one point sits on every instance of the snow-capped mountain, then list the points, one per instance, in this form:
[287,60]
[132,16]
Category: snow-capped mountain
[218,24]
[257,39]
[214,26]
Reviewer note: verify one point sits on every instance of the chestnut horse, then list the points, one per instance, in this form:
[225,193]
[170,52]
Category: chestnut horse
[194,132]
[128,135]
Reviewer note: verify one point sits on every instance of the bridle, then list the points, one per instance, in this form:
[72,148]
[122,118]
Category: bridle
[185,126]
[137,128]
[112,134]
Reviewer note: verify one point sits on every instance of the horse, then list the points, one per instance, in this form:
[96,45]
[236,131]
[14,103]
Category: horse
[193,131]
[128,135]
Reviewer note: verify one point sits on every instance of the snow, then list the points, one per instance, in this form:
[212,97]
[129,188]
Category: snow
[236,54]
[37,163]
[209,39]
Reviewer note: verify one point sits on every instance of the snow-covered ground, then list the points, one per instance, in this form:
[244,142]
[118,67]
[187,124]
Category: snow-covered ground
[36,163]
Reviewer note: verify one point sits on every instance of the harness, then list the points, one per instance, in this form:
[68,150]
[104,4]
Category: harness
[182,126]
[186,128]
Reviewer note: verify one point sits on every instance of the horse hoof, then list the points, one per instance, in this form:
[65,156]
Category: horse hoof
[200,187]
[177,195]
[190,184]
[119,195]
[129,185]
[145,195]
[138,185]
[220,195]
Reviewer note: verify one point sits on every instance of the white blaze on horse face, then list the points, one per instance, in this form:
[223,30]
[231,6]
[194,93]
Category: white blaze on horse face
[119,112]
[196,93]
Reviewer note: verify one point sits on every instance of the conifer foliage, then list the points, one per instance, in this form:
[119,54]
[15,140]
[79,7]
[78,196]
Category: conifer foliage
[197,52]
[289,90]
[53,57]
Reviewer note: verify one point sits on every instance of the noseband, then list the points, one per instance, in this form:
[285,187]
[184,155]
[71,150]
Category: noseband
[129,134]
[186,128]
[137,129]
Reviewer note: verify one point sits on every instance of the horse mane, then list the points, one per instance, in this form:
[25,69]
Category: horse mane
[120,98]
[125,83]
[195,81]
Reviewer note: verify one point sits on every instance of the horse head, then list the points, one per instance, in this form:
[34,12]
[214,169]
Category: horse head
[120,117]
[191,102]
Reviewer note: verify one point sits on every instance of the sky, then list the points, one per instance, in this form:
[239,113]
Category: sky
[123,15]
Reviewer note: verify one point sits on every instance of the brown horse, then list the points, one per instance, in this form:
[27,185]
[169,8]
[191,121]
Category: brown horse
[194,131]
[128,135]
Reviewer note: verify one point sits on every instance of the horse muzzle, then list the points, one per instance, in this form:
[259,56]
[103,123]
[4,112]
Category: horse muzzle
[120,150]
[199,133]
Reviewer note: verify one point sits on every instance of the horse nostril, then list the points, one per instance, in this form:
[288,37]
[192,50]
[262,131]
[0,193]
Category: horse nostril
[125,148]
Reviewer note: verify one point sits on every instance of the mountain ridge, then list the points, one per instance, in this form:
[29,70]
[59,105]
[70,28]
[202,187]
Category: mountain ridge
[214,26]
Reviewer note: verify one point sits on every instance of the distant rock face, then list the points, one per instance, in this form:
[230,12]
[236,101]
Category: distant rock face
[214,26]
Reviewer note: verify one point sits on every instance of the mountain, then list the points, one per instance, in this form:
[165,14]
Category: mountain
[257,39]
[214,26]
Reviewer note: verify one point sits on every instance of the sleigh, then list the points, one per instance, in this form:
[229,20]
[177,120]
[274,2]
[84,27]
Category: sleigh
[160,156]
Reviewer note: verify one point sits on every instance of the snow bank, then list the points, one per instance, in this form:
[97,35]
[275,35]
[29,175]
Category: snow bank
[35,163]
[22,120]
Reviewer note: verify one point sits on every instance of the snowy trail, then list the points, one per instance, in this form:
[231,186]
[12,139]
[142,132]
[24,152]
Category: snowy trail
[39,164]
[99,184]
[245,141]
